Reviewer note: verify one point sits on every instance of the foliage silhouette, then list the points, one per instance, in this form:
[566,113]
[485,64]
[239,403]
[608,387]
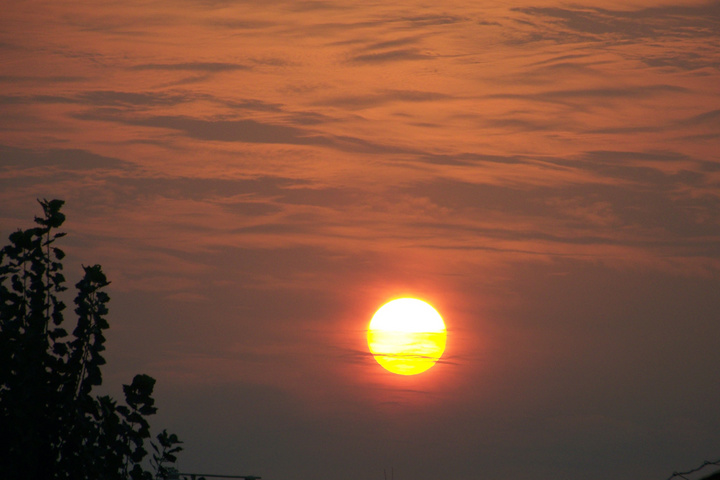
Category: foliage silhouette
[51,426]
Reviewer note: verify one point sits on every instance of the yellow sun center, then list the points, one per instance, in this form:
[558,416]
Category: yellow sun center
[407,336]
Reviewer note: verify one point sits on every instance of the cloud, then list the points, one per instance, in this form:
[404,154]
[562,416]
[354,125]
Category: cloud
[606,93]
[236,24]
[406,54]
[242,190]
[652,201]
[13,158]
[710,118]
[102,98]
[398,42]
[246,131]
[27,79]
[475,159]
[432,19]
[656,22]
[559,58]
[28,99]
[682,60]
[384,97]
[256,196]
[208,67]
[249,131]
[117,98]
[314,5]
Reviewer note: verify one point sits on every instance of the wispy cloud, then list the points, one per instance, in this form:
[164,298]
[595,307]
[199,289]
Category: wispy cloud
[607,93]
[407,54]
[209,67]
[14,158]
[633,24]
[381,98]
[38,79]
[107,98]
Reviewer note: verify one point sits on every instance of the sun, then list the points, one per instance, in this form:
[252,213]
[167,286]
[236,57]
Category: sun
[407,336]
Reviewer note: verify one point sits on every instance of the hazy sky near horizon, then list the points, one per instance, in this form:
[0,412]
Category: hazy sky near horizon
[257,178]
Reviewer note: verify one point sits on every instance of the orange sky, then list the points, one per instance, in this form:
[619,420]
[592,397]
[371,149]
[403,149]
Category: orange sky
[258,178]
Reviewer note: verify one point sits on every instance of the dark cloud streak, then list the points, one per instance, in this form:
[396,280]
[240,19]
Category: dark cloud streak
[209,67]
[407,54]
[68,159]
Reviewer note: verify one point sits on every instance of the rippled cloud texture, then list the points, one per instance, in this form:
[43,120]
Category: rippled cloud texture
[257,178]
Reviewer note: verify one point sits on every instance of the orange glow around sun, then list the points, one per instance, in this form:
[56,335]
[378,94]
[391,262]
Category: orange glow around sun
[407,336]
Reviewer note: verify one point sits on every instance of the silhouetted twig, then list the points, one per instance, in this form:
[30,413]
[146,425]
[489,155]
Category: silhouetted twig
[681,474]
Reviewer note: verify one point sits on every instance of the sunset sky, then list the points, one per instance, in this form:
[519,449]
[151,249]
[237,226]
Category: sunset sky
[258,178]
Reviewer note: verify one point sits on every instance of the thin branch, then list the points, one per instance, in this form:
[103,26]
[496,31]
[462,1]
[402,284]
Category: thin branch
[681,474]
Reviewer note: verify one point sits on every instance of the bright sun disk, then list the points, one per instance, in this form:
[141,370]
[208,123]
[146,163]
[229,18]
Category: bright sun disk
[407,336]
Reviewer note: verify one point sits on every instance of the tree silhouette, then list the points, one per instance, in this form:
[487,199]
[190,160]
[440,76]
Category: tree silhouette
[51,426]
